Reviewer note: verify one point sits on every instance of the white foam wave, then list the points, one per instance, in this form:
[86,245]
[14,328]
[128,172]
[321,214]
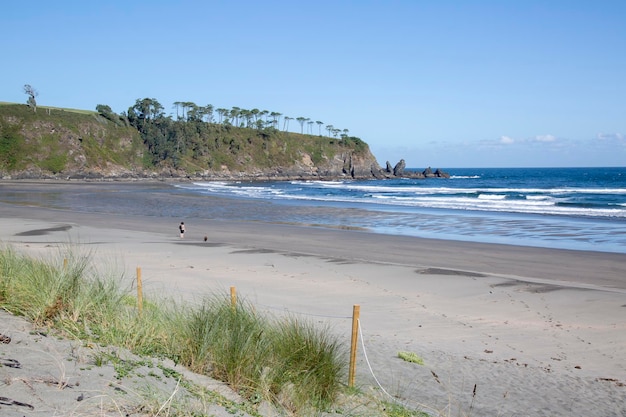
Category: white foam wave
[319,182]
[514,206]
[491,196]
[420,189]
[454,199]
[234,189]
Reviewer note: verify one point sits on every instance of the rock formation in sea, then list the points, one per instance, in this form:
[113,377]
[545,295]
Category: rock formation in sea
[399,171]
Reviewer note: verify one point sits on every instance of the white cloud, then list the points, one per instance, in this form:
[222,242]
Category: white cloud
[619,137]
[545,138]
[505,140]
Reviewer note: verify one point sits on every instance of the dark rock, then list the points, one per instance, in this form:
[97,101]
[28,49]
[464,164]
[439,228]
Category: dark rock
[398,170]
[440,174]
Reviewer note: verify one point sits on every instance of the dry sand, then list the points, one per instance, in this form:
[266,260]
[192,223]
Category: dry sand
[502,330]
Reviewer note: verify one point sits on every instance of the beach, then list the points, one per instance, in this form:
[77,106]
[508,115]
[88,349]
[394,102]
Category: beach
[502,329]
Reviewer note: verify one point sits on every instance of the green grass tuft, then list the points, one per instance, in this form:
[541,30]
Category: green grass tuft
[411,357]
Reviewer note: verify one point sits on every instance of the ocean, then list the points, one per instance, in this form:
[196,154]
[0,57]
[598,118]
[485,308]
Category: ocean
[564,208]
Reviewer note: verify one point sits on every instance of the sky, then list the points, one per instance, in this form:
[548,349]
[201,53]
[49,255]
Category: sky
[445,84]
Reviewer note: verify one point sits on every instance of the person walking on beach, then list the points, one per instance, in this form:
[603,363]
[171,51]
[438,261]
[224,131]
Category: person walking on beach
[181,227]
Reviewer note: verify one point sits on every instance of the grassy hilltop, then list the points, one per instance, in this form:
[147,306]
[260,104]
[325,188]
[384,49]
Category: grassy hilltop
[68,143]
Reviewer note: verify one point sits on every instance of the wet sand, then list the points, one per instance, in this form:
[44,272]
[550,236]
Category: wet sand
[530,331]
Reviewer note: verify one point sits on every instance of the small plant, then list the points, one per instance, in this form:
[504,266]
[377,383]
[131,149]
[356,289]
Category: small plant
[396,410]
[411,357]
[170,373]
[100,359]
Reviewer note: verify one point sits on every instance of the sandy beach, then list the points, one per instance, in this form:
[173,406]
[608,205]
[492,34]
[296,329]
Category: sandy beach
[503,330]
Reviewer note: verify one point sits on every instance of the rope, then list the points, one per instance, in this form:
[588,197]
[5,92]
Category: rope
[285,310]
[369,365]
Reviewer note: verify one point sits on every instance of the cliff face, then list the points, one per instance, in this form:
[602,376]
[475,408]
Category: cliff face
[344,163]
[55,143]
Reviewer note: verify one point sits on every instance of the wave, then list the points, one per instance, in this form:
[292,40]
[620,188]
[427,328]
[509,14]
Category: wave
[491,196]
[448,190]
[556,201]
[511,206]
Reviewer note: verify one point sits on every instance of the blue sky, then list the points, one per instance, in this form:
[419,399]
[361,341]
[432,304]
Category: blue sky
[438,83]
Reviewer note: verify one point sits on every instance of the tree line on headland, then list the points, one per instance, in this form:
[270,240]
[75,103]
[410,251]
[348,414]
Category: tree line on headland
[167,137]
[150,108]
[170,138]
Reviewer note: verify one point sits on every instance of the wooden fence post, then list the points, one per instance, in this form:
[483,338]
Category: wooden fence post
[139,291]
[356,310]
[233,297]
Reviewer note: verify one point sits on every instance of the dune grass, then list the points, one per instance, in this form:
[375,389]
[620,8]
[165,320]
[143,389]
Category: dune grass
[288,362]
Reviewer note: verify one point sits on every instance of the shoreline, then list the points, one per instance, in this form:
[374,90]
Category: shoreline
[593,268]
[172,199]
[538,331]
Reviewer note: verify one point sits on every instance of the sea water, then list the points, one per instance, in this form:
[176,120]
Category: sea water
[567,208]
